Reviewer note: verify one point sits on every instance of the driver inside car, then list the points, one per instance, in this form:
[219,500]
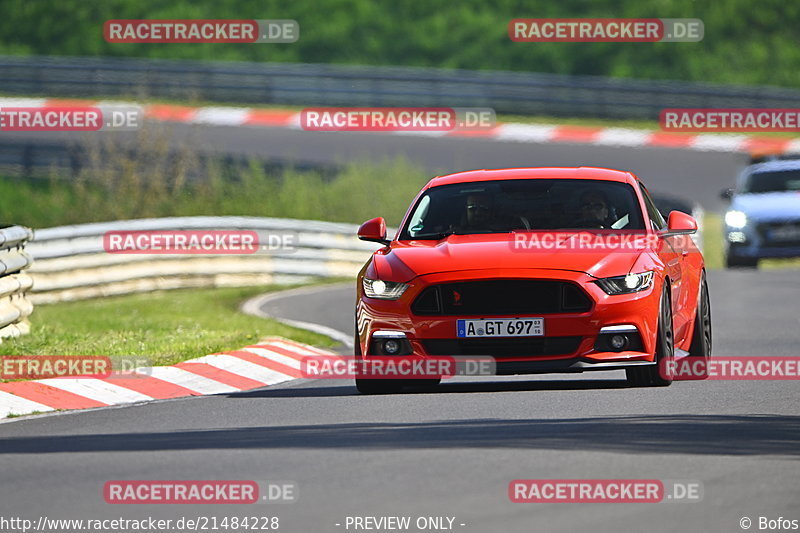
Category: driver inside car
[483,216]
[594,208]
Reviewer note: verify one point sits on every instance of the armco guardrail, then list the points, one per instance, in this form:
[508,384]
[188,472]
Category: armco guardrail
[343,85]
[71,262]
[15,307]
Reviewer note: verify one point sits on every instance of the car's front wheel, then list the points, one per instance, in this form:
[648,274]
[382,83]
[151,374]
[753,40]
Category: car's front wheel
[660,374]
[378,386]
[700,349]
[734,261]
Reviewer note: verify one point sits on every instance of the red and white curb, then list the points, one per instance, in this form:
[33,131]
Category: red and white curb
[275,360]
[510,132]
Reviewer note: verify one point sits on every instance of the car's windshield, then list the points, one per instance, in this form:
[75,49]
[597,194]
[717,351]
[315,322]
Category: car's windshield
[775,181]
[512,205]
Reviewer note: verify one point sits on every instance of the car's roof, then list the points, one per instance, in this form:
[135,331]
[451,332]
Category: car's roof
[593,173]
[775,166]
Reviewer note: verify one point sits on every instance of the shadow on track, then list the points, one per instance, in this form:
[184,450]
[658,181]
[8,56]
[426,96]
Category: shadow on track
[445,388]
[679,434]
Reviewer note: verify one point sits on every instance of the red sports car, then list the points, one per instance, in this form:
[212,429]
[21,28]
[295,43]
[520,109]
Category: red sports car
[543,269]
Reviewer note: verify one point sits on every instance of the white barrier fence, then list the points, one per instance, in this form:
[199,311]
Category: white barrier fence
[71,262]
[15,307]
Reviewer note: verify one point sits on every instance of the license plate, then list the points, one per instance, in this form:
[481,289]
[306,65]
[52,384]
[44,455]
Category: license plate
[500,327]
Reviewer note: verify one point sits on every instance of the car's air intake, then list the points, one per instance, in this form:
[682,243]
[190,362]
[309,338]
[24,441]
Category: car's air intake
[502,297]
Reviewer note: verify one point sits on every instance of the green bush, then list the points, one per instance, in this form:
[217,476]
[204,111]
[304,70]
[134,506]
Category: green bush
[745,42]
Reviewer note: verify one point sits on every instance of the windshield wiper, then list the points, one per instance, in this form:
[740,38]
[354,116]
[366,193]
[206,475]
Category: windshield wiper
[437,236]
[443,234]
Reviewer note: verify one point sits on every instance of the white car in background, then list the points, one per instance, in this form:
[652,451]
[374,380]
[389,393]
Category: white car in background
[763,219]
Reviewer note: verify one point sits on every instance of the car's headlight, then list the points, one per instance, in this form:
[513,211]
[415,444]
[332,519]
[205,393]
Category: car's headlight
[384,290]
[626,284]
[736,219]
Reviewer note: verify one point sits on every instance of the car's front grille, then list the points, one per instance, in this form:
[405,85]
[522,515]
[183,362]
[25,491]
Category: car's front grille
[780,234]
[502,297]
[503,347]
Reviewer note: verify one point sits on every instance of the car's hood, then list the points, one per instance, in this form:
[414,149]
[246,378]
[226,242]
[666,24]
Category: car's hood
[409,259]
[769,206]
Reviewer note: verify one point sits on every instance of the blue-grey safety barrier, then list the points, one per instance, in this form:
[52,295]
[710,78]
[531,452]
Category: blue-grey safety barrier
[348,85]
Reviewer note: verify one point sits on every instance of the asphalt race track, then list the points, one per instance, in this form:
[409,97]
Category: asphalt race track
[697,176]
[452,451]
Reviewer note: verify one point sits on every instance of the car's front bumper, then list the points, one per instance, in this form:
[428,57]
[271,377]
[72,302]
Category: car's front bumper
[754,241]
[638,310]
[759,252]
[567,366]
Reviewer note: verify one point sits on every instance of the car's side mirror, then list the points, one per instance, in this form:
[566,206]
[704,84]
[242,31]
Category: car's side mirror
[680,223]
[373,230]
[726,194]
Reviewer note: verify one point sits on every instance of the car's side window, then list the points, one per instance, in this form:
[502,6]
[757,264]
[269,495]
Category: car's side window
[653,213]
[415,225]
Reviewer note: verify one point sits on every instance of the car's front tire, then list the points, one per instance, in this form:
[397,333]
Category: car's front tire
[700,349]
[734,261]
[660,374]
[378,386]
[426,383]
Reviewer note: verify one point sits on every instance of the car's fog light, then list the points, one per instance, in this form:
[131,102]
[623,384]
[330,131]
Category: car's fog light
[391,347]
[618,338]
[736,236]
[618,342]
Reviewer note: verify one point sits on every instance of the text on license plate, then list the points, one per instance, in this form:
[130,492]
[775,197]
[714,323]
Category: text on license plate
[500,327]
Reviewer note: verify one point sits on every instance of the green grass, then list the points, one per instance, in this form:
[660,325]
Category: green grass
[32,413]
[158,328]
[769,264]
[712,241]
